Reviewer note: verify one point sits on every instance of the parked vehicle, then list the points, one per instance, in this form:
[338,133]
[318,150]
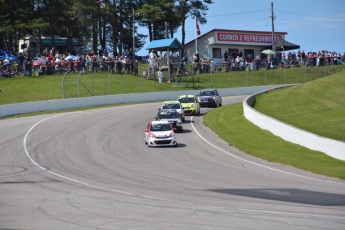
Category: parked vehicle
[10,55]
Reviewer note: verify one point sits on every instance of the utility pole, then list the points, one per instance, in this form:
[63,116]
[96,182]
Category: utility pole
[273,36]
[134,32]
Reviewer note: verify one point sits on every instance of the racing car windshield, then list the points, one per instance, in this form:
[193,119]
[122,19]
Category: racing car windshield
[167,115]
[186,100]
[171,106]
[207,93]
[160,127]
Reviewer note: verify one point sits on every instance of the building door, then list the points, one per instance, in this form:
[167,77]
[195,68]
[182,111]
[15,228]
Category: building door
[233,52]
[249,54]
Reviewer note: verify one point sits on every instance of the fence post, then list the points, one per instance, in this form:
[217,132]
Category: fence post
[93,82]
[229,74]
[124,82]
[265,74]
[111,71]
[324,69]
[141,83]
[79,84]
[63,86]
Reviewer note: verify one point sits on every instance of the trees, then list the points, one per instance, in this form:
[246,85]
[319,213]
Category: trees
[98,23]
[191,8]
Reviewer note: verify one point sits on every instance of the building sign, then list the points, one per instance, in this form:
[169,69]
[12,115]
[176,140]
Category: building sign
[247,37]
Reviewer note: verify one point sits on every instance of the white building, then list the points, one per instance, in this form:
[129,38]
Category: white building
[214,43]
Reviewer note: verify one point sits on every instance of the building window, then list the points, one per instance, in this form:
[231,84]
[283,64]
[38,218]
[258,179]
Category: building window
[217,53]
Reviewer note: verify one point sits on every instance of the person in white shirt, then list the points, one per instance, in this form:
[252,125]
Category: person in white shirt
[152,57]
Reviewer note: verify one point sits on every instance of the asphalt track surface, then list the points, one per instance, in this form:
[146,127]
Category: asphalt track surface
[92,170]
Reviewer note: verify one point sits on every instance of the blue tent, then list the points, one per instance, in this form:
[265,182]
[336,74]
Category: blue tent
[164,44]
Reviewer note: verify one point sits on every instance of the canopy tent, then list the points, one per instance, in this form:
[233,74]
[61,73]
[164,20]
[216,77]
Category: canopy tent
[164,44]
[283,45]
[167,45]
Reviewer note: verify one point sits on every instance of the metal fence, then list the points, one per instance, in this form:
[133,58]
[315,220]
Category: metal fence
[104,81]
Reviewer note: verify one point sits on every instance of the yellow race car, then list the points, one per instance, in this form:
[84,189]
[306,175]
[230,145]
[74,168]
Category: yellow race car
[190,104]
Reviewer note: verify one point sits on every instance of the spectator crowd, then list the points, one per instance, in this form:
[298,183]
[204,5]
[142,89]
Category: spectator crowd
[53,62]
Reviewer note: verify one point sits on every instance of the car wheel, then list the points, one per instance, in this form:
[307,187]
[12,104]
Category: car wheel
[181,130]
[175,145]
[220,104]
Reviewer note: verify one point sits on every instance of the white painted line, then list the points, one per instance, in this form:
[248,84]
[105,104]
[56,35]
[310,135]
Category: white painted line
[260,165]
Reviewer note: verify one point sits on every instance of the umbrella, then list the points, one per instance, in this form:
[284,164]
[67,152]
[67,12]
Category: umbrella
[268,52]
[71,58]
[40,61]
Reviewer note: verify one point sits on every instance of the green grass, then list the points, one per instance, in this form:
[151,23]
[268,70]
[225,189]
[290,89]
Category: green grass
[22,89]
[317,106]
[229,124]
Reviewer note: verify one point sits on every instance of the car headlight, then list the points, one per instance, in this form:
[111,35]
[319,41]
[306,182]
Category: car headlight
[153,135]
[194,104]
[171,134]
[214,98]
[178,122]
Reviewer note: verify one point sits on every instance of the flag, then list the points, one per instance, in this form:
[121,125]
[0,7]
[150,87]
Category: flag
[197,27]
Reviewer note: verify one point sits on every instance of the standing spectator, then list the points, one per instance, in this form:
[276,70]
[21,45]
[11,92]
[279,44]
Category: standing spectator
[21,62]
[110,64]
[53,51]
[127,64]
[46,52]
[115,54]
[185,56]
[28,63]
[126,53]
[152,58]
[105,52]
[278,58]
[130,54]
[57,55]
[100,53]
[225,55]
[299,56]
[303,57]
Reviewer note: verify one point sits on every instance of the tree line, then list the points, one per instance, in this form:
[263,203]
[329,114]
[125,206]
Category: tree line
[97,23]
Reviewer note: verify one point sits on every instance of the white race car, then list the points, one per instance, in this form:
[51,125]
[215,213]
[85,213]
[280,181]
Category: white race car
[160,133]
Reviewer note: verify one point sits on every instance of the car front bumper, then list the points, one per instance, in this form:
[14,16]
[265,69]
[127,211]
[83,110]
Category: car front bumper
[155,142]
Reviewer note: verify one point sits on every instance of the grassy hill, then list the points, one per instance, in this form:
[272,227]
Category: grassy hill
[317,106]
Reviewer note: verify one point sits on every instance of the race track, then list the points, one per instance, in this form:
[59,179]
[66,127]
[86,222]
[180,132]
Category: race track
[92,170]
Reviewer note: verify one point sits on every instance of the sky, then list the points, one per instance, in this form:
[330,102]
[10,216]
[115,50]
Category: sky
[313,24]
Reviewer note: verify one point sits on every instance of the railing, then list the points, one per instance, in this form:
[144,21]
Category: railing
[108,83]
